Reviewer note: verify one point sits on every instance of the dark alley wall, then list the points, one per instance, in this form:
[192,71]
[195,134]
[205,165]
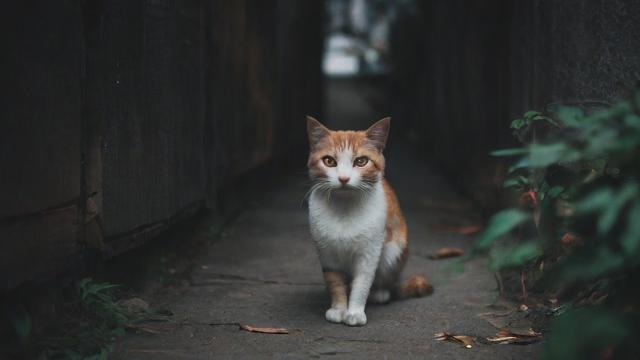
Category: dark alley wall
[464,69]
[120,117]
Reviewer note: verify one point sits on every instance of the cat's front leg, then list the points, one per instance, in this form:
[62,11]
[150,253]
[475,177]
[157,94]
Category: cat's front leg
[337,285]
[363,274]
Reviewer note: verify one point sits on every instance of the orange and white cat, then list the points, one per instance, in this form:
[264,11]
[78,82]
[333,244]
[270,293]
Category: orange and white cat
[356,222]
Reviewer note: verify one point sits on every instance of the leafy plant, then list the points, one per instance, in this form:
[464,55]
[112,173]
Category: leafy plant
[91,321]
[577,180]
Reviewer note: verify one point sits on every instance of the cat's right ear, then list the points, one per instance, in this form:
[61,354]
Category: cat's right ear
[316,131]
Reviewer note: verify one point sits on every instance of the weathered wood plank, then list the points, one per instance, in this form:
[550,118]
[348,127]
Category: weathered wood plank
[37,246]
[126,115]
[153,153]
[40,139]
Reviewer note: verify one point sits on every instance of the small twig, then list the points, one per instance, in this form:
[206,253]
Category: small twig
[523,286]
[499,281]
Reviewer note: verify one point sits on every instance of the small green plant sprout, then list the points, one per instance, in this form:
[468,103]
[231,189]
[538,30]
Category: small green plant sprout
[90,323]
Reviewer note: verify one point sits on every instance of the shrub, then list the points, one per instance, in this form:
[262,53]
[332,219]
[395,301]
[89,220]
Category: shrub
[577,179]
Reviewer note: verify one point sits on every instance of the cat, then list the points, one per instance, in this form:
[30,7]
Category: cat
[355,220]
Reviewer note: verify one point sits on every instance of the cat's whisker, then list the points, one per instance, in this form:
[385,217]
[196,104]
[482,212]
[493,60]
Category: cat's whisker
[320,185]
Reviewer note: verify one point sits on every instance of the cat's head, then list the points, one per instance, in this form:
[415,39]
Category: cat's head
[348,160]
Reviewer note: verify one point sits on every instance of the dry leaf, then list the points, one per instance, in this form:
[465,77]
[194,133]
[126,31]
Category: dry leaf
[446,252]
[460,230]
[464,340]
[506,337]
[515,322]
[263,330]
[502,337]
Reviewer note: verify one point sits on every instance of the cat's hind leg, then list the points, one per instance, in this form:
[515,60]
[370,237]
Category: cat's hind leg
[380,296]
[388,273]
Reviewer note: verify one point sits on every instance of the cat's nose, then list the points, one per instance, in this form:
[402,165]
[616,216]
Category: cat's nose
[343,179]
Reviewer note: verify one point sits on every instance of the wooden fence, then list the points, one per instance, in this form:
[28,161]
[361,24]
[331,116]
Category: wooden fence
[120,116]
[466,68]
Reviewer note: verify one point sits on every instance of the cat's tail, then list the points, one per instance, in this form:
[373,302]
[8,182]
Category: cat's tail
[415,286]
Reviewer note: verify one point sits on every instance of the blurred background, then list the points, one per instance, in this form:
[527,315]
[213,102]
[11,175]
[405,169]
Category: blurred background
[122,118]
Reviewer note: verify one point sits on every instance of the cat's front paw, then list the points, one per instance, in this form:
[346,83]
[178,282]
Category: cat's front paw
[335,315]
[355,318]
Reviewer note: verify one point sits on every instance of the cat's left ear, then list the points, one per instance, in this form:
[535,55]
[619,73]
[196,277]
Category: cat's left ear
[379,132]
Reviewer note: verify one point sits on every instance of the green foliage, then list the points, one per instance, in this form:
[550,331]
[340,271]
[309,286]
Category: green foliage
[583,168]
[585,334]
[513,255]
[529,118]
[499,225]
[21,322]
[92,321]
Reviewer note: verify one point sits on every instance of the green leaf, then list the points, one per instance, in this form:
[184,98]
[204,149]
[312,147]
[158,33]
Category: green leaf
[601,142]
[580,333]
[595,201]
[570,116]
[500,224]
[630,240]
[513,256]
[591,264]
[610,214]
[531,114]
[96,288]
[632,121]
[21,321]
[518,123]
[511,183]
[510,152]
[554,192]
[547,119]
[516,182]
[541,155]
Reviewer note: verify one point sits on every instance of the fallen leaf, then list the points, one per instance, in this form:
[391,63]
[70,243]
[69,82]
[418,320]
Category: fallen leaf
[263,330]
[465,340]
[460,230]
[446,252]
[515,321]
[506,337]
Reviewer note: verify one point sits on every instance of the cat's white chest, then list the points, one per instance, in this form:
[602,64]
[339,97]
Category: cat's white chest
[346,226]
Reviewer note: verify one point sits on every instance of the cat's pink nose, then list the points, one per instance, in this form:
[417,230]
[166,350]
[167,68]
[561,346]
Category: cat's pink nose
[343,179]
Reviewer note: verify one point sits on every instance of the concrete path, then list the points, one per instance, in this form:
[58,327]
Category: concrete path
[263,271]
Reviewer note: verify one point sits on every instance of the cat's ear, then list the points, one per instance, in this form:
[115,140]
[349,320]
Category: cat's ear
[379,132]
[316,131]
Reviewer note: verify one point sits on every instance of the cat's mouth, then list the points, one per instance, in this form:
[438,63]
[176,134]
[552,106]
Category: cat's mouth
[347,189]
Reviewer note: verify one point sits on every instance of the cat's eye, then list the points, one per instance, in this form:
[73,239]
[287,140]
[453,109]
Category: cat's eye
[329,161]
[361,161]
